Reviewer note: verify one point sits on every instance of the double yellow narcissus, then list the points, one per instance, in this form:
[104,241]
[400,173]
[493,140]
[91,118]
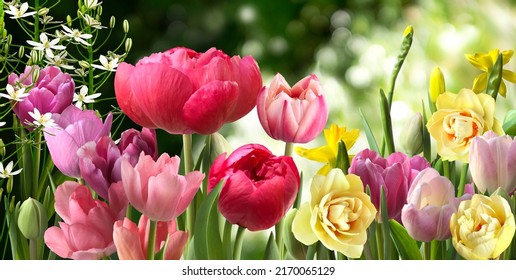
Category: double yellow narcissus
[338,214]
[458,119]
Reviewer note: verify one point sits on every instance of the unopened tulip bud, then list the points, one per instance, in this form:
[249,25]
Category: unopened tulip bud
[32,219]
[509,123]
[128,44]
[112,22]
[218,146]
[21,52]
[411,138]
[125,24]
[437,84]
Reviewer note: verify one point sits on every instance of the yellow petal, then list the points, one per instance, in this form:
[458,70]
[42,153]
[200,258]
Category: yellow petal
[480,83]
[301,227]
[446,101]
[507,55]
[320,154]
[508,75]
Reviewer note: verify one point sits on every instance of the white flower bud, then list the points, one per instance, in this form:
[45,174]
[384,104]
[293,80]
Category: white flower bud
[126,26]
[411,138]
[84,64]
[112,22]
[128,44]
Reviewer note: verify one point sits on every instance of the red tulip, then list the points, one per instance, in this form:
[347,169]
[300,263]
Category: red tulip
[259,187]
[182,91]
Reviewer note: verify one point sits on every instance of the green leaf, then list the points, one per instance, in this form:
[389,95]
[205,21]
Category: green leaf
[296,249]
[208,242]
[495,78]
[406,246]
[48,202]
[509,123]
[386,122]
[271,250]
[369,133]
[384,226]
[427,144]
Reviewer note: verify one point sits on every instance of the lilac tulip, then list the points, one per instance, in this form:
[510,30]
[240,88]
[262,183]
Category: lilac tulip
[394,173]
[492,162]
[430,203]
[74,129]
[52,92]
[295,115]
[133,142]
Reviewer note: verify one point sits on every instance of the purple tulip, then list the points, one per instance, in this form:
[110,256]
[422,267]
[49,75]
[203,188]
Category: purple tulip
[52,92]
[74,129]
[99,164]
[133,142]
[492,162]
[430,203]
[394,173]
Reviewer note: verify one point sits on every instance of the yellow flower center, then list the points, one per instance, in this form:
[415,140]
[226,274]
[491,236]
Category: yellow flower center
[462,126]
[340,213]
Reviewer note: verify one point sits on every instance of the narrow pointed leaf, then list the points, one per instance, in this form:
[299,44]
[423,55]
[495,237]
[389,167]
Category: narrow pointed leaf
[405,245]
[387,124]
[208,242]
[271,250]
[342,161]
[495,78]
[369,133]
[385,225]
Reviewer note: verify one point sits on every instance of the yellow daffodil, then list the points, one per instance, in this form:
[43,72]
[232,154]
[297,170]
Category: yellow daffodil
[485,62]
[328,153]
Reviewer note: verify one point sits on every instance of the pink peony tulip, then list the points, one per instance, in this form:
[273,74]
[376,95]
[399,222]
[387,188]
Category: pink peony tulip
[295,115]
[131,241]
[87,228]
[133,142]
[182,91]
[156,189]
[52,92]
[430,203]
[99,164]
[259,187]
[74,129]
[395,174]
[492,162]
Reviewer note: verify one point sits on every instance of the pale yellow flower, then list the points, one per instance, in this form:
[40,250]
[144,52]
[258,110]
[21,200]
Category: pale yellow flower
[485,62]
[458,119]
[338,214]
[328,153]
[483,227]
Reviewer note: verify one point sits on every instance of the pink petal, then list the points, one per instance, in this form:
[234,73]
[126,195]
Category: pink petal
[57,243]
[249,81]
[193,183]
[313,121]
[62,199]
[176,244]
[127,240]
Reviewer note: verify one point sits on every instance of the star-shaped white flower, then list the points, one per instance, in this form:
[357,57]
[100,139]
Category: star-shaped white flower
[60,60]
[83,97]
[44,120]
[76,35]
[19,12]
[14,94]
[46,45]
[90,4]
[108,65]
[8,170]
[2,124]
[91,22]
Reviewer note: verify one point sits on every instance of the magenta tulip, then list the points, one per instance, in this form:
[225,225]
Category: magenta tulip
[394,174]
[430,203]
[182,91]
[259,187]
[156,189]
[87,228]
[131,241]
[133,142]
[74,129]
[295,115]
[492,162]
[52,92]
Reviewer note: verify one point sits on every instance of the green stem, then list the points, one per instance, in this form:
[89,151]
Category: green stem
[239,240]
[446,169]
[152,239]
[36,22]
[462,182]
[279,237]
[312,249]
[33,249]
[35,166]
[379,242]
[427,248]
[289,149]
[226,241]
[189,166]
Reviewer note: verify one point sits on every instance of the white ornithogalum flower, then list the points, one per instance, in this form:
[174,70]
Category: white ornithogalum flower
[91,22]
[8,170]
[21,12]
[46,45]
[60,60]
[108,65]
[90,4]
[2,124]
[44,120]
[82,97]
[76,35]
[16,94]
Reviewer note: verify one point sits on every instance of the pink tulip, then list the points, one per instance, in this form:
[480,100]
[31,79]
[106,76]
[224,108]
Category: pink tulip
[492,162]
[259,187]
[133,142]
[52,92]
[87,228]
[74,129]
[295,115]
[430,203]
[394,174]
[99,164]
[131,241]
[156,189]
[182,91]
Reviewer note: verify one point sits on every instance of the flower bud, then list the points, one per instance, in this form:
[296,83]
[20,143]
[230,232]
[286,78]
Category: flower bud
[128,44]
[99,10]
[35,75]
[36,56]
[125,24]
[112,22]
[10,184]
[84,64]
[11,205]
[509,123]
[69,20]
[21,52]
[32,219]
[218,146]
[2,148]
[411,138]
[437,85]
[43,11]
